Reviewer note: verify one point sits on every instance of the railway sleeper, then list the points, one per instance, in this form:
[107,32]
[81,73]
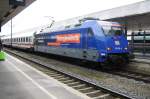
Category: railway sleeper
[51,73]
[56,75]
[63,79]
[96,94]
[77,86]
[92,92]
[67,81]
[104,96]
[73,83]
[86,88]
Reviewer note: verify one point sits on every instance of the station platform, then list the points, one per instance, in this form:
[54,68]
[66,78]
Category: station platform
[19,80]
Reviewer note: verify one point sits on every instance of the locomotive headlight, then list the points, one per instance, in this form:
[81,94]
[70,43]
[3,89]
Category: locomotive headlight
[109,49]
[125,48]
[103,54]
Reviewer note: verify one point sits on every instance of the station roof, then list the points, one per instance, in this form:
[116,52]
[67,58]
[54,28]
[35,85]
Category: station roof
[135,9]
[10,8]
[132,10]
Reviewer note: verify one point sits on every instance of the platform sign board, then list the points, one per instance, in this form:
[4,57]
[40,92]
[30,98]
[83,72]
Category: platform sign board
[17,2]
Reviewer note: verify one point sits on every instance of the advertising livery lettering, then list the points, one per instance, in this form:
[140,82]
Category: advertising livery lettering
[65,38]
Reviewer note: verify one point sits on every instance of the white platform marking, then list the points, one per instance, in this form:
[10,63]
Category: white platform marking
[35,83]
[61,84]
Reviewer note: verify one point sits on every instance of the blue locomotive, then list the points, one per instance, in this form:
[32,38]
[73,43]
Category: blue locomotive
[91,40]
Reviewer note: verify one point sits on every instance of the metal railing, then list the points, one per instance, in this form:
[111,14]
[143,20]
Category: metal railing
[139,42]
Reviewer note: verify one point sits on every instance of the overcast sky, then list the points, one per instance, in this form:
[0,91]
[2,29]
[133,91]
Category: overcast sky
[37,13]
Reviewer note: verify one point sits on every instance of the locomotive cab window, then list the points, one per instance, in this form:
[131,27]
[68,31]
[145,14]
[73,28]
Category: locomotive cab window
[112,30]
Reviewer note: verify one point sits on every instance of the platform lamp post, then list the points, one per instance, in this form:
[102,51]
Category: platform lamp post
[11,31]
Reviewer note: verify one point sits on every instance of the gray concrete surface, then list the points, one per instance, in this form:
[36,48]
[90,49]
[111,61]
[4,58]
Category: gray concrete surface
[20,81]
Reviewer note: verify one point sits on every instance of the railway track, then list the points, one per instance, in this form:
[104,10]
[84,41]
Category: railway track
[132,75]
[84,85]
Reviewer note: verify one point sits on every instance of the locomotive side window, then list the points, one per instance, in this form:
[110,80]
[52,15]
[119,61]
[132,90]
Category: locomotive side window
[90,33]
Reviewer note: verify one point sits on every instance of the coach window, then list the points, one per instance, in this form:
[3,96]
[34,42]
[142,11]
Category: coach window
[26,39]
[90,33]
[29,39]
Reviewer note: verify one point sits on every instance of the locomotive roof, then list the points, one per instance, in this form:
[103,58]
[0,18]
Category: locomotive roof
[105,23]
[59,27]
